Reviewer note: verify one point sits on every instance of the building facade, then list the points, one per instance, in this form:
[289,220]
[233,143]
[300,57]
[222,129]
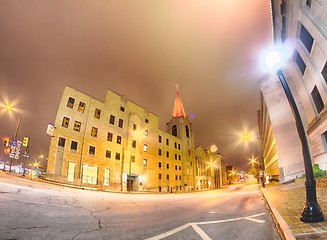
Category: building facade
[118,145]
[302,26]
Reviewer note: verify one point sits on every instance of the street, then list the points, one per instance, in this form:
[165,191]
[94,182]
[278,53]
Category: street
[38,210]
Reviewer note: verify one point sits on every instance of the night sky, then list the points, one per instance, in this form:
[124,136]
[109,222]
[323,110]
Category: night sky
[140,49]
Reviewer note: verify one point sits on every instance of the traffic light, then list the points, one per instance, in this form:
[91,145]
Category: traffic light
[7,150]
[6,142]
[25,142]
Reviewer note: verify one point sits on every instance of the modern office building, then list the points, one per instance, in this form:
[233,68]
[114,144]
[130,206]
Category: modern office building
[116,144]
[302,26]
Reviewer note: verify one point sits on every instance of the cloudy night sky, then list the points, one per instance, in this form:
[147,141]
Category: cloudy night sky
[140,49]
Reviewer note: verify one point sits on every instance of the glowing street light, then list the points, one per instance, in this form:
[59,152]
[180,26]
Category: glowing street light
[9,108]
[311,211]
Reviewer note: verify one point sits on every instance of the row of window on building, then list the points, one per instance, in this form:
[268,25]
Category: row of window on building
[307,40]
[97,111]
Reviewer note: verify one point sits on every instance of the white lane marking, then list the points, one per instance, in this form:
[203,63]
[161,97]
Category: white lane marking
[199,231]
[254,220]
[33,202]
[171,232]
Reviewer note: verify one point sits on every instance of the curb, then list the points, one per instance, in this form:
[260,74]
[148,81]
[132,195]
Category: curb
[281,225]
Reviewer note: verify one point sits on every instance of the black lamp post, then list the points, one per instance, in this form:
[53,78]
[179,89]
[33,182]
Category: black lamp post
[311,211]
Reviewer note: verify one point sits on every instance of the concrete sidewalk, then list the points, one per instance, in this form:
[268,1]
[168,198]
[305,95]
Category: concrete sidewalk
[286,202]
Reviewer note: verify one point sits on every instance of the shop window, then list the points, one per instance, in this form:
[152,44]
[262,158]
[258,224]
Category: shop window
[90,175]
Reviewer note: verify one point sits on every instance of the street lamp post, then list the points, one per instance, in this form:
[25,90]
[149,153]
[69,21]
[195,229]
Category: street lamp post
[8,107]
[311,211]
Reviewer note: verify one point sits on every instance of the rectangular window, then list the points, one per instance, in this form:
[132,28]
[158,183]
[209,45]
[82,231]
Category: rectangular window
[167,154]
[71,171]
[122,109]
[70,102]
[119,138]
[159,152]
[145,162]
[77,126]
[81,107]
[317,99]
[176,167]
[94,132]
[160,139]
[65,122]
[61,142]
[300,63]
[106,177]
[176,177]
[306,38]
[179,157]
[324,72]
[167,177]
[90,175]
[134,143]
[92,150]
[117,157]
[108,154]
[97,113]
[112,119]
[145,147]
[73,145]
[132,158]
[176,145]
[175,156]
[120,123]
[109,136]
[134,127]
[167,165]
[146,120]
[159,176]
[179,147]
[159,165]
[167,141]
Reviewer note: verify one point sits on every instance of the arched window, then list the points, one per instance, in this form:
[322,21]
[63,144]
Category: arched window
[187,131]
[174,130]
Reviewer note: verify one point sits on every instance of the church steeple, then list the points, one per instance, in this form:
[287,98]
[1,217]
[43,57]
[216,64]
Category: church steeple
[178,106]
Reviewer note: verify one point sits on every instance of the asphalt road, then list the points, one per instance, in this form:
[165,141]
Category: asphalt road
[37,210]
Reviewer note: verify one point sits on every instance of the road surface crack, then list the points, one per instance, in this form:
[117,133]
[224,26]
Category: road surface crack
[95,217]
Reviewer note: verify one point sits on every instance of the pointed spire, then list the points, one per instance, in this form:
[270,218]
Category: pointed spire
[178,106]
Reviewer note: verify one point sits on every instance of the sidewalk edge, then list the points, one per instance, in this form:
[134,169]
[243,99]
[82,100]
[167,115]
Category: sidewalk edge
[281,225]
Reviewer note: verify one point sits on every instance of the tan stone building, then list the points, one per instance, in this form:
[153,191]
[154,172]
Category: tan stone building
[300,25]
[118,145]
